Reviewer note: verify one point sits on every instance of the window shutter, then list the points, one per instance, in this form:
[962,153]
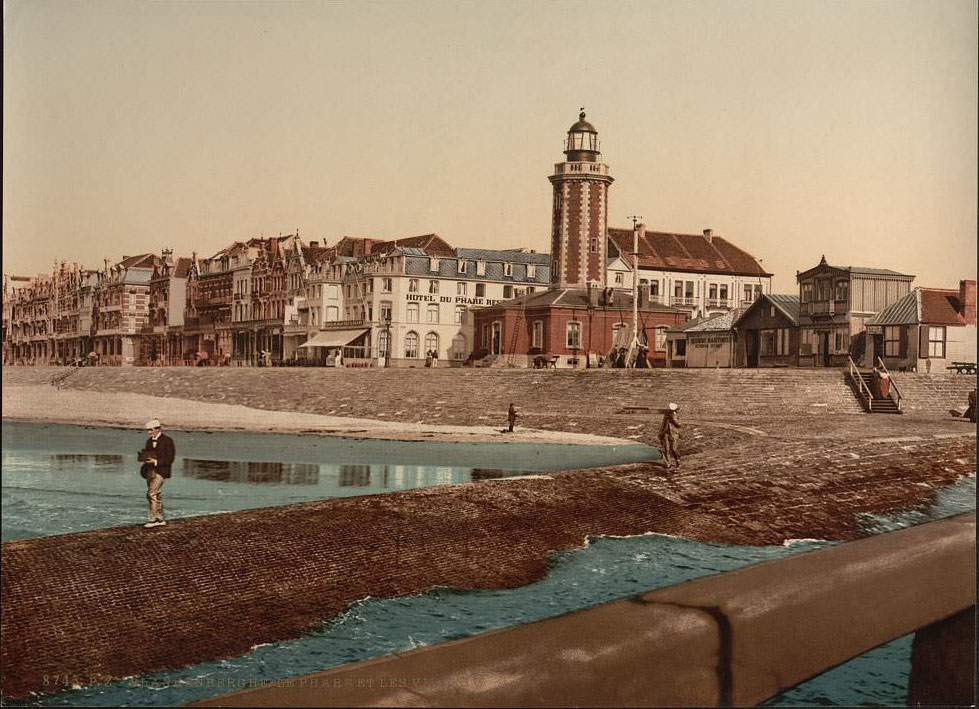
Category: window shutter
[922,341]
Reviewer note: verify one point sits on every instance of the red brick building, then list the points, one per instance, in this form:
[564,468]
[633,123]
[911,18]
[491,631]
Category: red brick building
[568,327]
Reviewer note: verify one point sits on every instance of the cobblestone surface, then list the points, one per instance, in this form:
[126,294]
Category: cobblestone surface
[767,455]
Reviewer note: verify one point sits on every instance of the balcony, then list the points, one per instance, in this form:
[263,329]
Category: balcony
[824,307]
[718,302]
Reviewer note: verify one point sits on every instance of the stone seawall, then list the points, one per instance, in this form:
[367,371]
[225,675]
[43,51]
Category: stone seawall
[767,455]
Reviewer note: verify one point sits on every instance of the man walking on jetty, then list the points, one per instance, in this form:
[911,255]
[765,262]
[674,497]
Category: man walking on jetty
[157,457]
[511,416]
[669,436]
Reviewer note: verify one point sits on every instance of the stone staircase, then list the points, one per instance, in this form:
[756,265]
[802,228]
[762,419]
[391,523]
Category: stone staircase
[878,404]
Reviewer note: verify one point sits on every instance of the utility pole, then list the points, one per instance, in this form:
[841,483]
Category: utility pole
[636,225]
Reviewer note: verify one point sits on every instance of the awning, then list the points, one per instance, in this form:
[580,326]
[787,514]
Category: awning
[334,338]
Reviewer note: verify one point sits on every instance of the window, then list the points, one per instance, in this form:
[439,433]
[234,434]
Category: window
[783,341]
[508,269]
[385,285]
[678,289]
[654,288]
[537,340]
[485,336]
[386,311]
[712,291]
[433,287]
[332,313]
[496,338]
[507,291]
[531,270]
[431,342]
[688,293]
[461,288]
[936,340]
[459,347]
[841,290]
[806,295]
[892,341]
[480,268]
[758,291]
[460,315]
[462,266]
[681,348]
[413,311]
[593,244]
[383,343]
[619,278]
[574,335]
[659,339]
[411,345]
[530,289]
[433,264]
[412,285]
[480,290]
[723,291]
[768,342]
[432,312]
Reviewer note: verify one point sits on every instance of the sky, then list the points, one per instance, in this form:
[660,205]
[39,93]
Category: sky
[793,128]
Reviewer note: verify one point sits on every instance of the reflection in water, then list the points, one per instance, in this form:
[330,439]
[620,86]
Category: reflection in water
[68,461]
[354,476]
[489,473]
[242,471]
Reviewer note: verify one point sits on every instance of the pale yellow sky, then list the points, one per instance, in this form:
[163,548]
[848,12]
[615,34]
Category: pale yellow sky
[794,128]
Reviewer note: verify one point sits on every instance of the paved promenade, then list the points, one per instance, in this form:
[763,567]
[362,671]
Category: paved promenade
[767,455]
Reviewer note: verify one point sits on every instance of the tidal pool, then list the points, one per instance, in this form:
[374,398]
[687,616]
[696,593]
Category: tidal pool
[59,479]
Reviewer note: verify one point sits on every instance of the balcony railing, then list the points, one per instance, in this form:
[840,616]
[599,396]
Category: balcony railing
[686,301]
[718,303]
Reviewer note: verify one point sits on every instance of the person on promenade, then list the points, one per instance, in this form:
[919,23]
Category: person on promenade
[157,457]
[883,383]
[511,416]
[669,436]
[970,413]
[435,358]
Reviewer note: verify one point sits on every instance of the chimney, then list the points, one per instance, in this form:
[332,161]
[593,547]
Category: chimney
[709,235]
[967,301]
[314,244]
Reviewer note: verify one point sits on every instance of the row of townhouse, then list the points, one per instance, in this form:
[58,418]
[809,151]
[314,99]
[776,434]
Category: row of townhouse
[379,302]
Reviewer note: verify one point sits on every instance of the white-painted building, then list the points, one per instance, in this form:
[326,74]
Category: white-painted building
[702,273]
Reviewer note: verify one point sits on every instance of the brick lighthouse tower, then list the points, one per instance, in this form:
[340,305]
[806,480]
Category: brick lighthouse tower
[579,217]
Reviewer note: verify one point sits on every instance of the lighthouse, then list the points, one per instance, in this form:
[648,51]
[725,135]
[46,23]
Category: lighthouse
[580,210]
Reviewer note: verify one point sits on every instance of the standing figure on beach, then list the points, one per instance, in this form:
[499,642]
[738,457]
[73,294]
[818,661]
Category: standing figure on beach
[669,436]
[511,416]
[157,457]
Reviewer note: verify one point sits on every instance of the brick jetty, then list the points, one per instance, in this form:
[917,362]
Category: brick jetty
[767,455]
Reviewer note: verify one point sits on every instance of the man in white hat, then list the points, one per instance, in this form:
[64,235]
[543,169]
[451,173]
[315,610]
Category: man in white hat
[157,457]
[669,436]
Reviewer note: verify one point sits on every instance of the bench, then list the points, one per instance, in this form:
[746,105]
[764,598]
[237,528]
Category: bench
[963,367]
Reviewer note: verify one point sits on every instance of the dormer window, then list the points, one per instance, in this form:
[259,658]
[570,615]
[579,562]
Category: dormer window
[480,268]
[508,269]
[462,266]
[531,270]
[433,264]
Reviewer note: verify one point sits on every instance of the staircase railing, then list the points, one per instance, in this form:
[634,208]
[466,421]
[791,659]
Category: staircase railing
[893,388]
[63,376]
[862,387]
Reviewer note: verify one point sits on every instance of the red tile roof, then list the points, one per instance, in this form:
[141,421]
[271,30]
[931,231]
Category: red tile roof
[940,307]
[431,244]
[141,261]
[686,252]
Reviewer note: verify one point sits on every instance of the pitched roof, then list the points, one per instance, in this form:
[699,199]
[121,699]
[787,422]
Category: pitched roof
[722,322]
[578,298]
[686,252]
[929,306]
[141,261]
[431,244]
[182,267]
[863,270]
[504,255]
[319,254]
